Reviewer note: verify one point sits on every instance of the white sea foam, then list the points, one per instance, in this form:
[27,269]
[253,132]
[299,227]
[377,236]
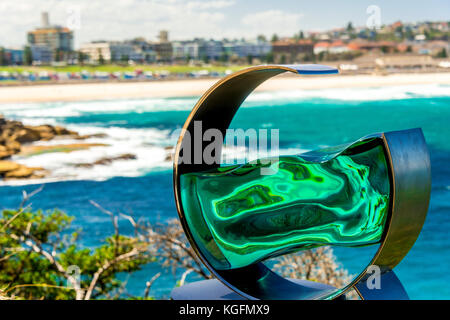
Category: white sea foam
[353,94]
[48,112]
[76,109]
[149,144]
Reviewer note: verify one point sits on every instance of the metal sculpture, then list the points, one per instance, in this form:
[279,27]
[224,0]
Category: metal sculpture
[373,191]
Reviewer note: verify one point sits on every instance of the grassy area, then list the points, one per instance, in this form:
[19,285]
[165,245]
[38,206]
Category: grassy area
[119,68]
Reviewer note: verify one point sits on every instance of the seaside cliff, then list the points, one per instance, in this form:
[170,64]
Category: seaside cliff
[17,138]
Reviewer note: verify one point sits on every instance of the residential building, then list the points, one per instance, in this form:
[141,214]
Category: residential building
[411,61]
[337,47]
[143,49]
[320,47]
[41,54]
[111,51]
[55,37]
[291,50]
[13,56]
[379,46]
[163,48]
[247,48]
[197,49]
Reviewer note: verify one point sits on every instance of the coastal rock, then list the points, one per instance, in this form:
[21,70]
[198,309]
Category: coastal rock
[26,135]
[13,146]
[17,138]
[14,133]
[7,166]
[106,160]
[169,153]
[61,131]
[90,136]
[5,152]
[12,171]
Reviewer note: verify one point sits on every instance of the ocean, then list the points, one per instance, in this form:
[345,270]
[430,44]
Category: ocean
[306,120]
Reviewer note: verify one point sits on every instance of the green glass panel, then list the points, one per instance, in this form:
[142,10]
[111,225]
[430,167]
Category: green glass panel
[238,216]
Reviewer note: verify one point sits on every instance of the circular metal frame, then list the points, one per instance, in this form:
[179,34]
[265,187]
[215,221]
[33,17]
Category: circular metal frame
[410,175]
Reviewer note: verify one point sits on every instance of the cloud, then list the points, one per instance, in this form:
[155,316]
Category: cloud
[125,19]
[219,4]
[118,20]
[273,21]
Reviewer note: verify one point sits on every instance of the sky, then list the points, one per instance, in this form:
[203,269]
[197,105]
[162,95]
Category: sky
[125,19]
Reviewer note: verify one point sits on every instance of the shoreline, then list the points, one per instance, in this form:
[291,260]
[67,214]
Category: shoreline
[196,87]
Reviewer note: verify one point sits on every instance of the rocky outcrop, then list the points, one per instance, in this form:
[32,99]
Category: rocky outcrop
[169,153]
[14,133]
[15,138]
[12,171]
[106,160]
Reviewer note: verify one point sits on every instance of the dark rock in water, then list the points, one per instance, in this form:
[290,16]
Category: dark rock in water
[90,136]
[106,160]
[169,153]
[26,135]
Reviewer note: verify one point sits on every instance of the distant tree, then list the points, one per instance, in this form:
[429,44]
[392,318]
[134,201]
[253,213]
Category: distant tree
[321,56]
[409,34]
[2,57]
[224,57]
[399,32]
[384,49]
[274,38]
[442,53]
[409,49]
[81,58]
[299,36]
[350,28]
[269,58]
[262,37]
[101,60]
[28,56]
[58,55]
[205,59]
[124,58]
[249,59]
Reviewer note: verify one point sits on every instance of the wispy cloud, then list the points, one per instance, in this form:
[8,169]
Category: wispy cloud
[104,19]
[273,21]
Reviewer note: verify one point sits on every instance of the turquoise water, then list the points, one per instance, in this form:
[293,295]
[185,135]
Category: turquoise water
[306,120]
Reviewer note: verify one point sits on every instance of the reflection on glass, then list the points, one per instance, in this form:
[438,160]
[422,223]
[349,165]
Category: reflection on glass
[237,216]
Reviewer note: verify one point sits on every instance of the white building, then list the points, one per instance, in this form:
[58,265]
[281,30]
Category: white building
[111,51]
[244,48]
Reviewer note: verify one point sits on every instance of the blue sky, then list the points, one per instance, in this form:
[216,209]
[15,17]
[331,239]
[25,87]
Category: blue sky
[120,19]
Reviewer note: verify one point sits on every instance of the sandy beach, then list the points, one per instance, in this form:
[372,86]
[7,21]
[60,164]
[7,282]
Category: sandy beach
[183,88]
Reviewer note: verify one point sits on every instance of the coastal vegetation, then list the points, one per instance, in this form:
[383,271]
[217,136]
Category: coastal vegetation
[41,258]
